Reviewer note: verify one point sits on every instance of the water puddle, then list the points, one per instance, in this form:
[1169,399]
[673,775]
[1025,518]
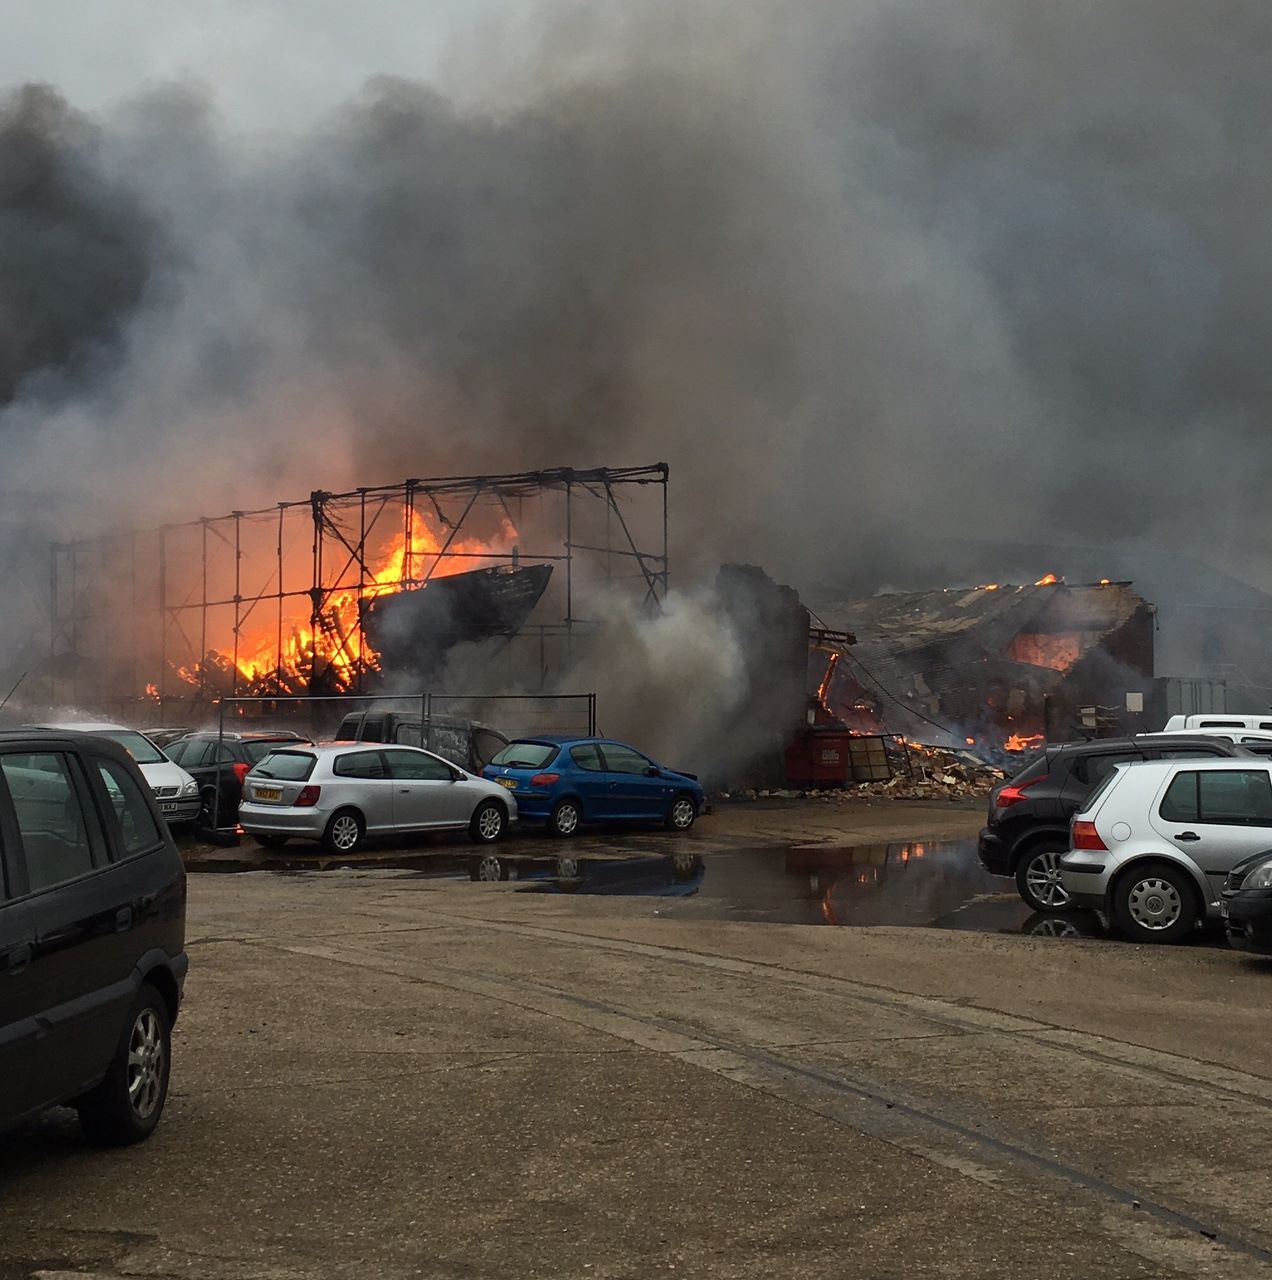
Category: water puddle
[934,884]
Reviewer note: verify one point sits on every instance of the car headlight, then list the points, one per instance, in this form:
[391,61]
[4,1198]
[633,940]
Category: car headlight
[1260,877]
[191,788]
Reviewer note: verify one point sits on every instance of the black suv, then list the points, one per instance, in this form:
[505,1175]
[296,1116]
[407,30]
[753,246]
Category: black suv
[92,935]
[208,756]
[1028,826]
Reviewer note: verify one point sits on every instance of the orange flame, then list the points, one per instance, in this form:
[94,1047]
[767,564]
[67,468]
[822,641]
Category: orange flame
[1047,580]
[1018,743]
[339,647]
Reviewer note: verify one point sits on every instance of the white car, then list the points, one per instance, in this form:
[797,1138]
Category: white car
[175,790]
[342,792]
[1153,844]
[1217,720]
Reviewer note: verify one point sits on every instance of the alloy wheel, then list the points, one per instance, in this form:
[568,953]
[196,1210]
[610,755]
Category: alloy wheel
[567,819]
[490,823]
[1154,903]
[344,832]
[147,1058]
[1043,880]
[490,869]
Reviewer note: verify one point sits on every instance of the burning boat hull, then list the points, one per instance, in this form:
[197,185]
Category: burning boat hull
[412,629]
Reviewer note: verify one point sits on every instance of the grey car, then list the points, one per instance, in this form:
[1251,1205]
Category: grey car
[342,792]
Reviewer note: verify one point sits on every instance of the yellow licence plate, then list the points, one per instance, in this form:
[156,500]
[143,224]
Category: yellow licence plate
[510,783]
[268,793]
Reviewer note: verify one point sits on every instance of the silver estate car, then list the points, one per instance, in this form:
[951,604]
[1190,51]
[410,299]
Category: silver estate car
[342,792]
[1155,842]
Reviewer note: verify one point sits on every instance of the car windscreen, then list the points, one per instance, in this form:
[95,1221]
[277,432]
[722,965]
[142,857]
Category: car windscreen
[287,766]
[525,755]
[137,745]
[1035,769]
[257,751]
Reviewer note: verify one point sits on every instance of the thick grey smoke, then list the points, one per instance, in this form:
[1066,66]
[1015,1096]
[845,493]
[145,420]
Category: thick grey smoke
[864,273]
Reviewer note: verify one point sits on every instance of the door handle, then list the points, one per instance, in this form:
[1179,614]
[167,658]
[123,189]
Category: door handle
[123,919]
[19,958]
[1187,835]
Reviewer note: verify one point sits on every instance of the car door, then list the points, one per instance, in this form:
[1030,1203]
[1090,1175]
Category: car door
[81,977]
[1217,817]
[425,791]
[590,778]
[23,1088]
[361,779]
[635,791]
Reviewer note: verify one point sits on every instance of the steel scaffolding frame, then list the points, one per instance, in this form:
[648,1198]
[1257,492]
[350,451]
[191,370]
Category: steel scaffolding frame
[341,526]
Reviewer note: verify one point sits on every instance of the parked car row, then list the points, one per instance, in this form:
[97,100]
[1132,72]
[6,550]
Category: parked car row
[1157,833]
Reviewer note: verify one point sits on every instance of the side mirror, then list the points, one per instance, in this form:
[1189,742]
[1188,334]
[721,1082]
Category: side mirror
[653,771]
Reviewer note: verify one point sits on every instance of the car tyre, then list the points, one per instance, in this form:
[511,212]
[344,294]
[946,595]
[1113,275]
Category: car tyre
[207,809]
[490,821]
[682,812]
[565,819]
[271,841]
[1155,902]
[1038,877]
[126,1106]
[345,832]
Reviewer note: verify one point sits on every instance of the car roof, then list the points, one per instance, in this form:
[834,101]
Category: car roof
[1183,737]
[279,735]
[342,748]
[89,726]
[1210,763]
[556,739]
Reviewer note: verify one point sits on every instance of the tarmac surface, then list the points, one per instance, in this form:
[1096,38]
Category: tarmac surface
[393,1071]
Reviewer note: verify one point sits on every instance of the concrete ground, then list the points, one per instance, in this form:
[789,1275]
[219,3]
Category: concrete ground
[382,1073]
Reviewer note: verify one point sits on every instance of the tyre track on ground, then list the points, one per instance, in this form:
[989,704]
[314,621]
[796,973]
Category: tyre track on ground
[1166,1233]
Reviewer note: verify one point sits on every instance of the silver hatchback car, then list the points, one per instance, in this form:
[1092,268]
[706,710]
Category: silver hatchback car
[1155,842]
[342,792]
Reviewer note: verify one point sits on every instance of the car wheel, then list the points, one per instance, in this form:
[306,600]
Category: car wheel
[490,869]
[271,841]
[683,812]
[489,822]
[565,818]
[344,832]
[126,1106]
[1155,902]
[1038,878]
[207,809]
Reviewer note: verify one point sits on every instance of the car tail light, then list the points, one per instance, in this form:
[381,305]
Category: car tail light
[1014,793]
[1085,836]
[308,797]
[544,779]
[241,771]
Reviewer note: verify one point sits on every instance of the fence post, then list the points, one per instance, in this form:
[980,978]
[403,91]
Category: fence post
[220,738]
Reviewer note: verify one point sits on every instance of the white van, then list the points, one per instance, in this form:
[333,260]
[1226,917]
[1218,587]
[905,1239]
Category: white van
[1217,720]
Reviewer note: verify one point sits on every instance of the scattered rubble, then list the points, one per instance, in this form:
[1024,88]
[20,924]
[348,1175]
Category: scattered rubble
[924,773]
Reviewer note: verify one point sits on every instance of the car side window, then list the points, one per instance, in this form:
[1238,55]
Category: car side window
[137,827]
[588,756]
[197,753]
[415,766]
[373,729]
[407,734]
[624,760]
[359,764]
[52,824]
[176,751]
[1179,804]
[1240,797]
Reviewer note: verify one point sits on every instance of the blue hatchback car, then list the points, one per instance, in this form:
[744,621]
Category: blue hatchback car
[568,781]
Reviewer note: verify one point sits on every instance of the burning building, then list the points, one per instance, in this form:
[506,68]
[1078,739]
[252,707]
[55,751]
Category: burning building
[994,666]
